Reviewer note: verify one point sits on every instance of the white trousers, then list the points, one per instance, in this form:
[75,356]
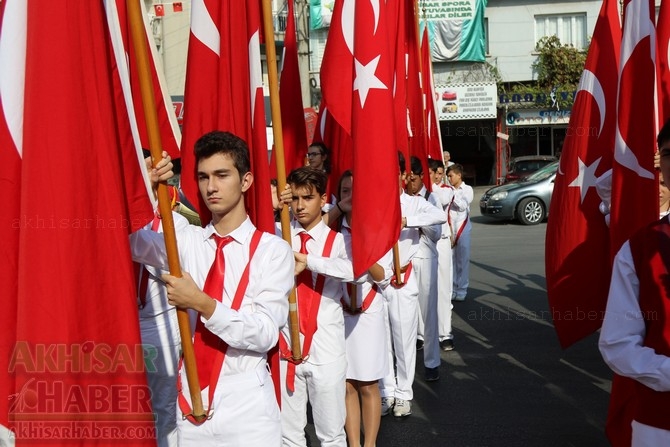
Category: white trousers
[245,413]
[325,387]
[461,258]
[426,277]
[161,344]
[445,278]
[648,436]
[403,316]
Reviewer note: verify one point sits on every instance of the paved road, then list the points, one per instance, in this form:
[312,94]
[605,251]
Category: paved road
[508,383]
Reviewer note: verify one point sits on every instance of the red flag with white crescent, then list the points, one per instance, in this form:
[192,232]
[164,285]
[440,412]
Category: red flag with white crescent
[68,349]
[359,65]
[578,265]
[634,183]
[224,92]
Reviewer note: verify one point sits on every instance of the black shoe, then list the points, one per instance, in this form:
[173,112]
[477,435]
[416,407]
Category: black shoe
[447,345]
[419,344]
[432,374]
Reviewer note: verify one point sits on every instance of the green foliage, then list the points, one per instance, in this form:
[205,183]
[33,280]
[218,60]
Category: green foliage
[558,65]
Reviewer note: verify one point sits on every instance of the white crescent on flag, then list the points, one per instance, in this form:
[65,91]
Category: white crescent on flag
[634,32]
[203,27]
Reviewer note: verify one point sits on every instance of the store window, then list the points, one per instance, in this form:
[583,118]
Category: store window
[569,28]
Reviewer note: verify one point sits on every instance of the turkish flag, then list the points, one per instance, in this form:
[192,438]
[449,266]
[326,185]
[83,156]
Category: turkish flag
[224,92]
[578,265]
[75,191]
[357,82]
[294,130]
[340,144]
[634,183]
[432,126]
[663,62]
[159,10]
[177,7]
[126,69]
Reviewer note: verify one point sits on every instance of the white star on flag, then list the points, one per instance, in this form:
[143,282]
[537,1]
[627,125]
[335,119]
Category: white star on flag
[586,177]
[366,79]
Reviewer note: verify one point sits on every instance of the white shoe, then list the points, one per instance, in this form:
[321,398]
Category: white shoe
[402,408]
[387,405]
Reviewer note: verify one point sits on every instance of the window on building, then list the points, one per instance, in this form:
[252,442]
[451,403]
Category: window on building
[569,28]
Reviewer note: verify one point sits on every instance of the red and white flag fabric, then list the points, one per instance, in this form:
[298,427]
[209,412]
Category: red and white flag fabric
[294,131]
[432,126]
[634,183]
[357,82]
[663,62]
[224,92]
[578,265]
[70,345]
[398,18]
[415,91]
[127,72]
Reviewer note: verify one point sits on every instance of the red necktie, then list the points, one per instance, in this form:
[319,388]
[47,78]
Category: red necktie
[143,272]
[305,287]
[206,344]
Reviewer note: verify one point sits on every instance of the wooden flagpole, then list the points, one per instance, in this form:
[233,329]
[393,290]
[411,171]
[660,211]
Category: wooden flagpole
[273,78]
[148,101]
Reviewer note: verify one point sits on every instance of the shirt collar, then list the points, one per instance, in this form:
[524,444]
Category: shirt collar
[239,234]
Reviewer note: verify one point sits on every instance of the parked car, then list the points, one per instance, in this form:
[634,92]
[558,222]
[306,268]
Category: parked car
[526,200]
[522,167]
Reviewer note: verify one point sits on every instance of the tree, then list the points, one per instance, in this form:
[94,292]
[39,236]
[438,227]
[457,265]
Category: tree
[558,65]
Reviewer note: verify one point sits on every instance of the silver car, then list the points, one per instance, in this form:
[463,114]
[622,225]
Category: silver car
[526,200]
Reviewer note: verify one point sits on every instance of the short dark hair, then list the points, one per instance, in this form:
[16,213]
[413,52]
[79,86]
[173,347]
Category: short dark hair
[309,177]
[456,167]
[664,134]
[415,165]
[434,164]
[401,162]
[219,142]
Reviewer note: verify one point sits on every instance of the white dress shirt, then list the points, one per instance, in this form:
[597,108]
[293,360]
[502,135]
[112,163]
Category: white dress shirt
[328,341]
[253,330]
[419,214]
[460,207]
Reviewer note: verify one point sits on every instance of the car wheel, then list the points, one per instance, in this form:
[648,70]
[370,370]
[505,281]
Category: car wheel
[530,211]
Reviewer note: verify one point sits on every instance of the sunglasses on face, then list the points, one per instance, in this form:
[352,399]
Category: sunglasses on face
[313,154]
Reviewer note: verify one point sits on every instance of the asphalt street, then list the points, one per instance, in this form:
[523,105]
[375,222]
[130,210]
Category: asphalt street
[508,382]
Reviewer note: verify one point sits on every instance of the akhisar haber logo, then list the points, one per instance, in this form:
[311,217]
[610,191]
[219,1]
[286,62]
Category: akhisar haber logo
[88,357]
[57,400]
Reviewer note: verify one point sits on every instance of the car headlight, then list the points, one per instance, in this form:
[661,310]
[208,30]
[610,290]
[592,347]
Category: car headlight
[499,195]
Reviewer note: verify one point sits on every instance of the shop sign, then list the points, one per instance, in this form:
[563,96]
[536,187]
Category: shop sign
[537,117]
[466,101]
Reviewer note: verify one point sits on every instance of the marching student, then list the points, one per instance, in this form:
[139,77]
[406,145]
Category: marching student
[235,284]
[321,266]
[425,268]
[403,300]
[634,339]
[461,227]
[444,194]
[365,335]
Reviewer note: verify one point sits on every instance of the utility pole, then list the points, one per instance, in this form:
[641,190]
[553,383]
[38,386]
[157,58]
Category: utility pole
[302,28]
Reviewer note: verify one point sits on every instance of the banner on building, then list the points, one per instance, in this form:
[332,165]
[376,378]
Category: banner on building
[320,13]
[456,29]
[466,101]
